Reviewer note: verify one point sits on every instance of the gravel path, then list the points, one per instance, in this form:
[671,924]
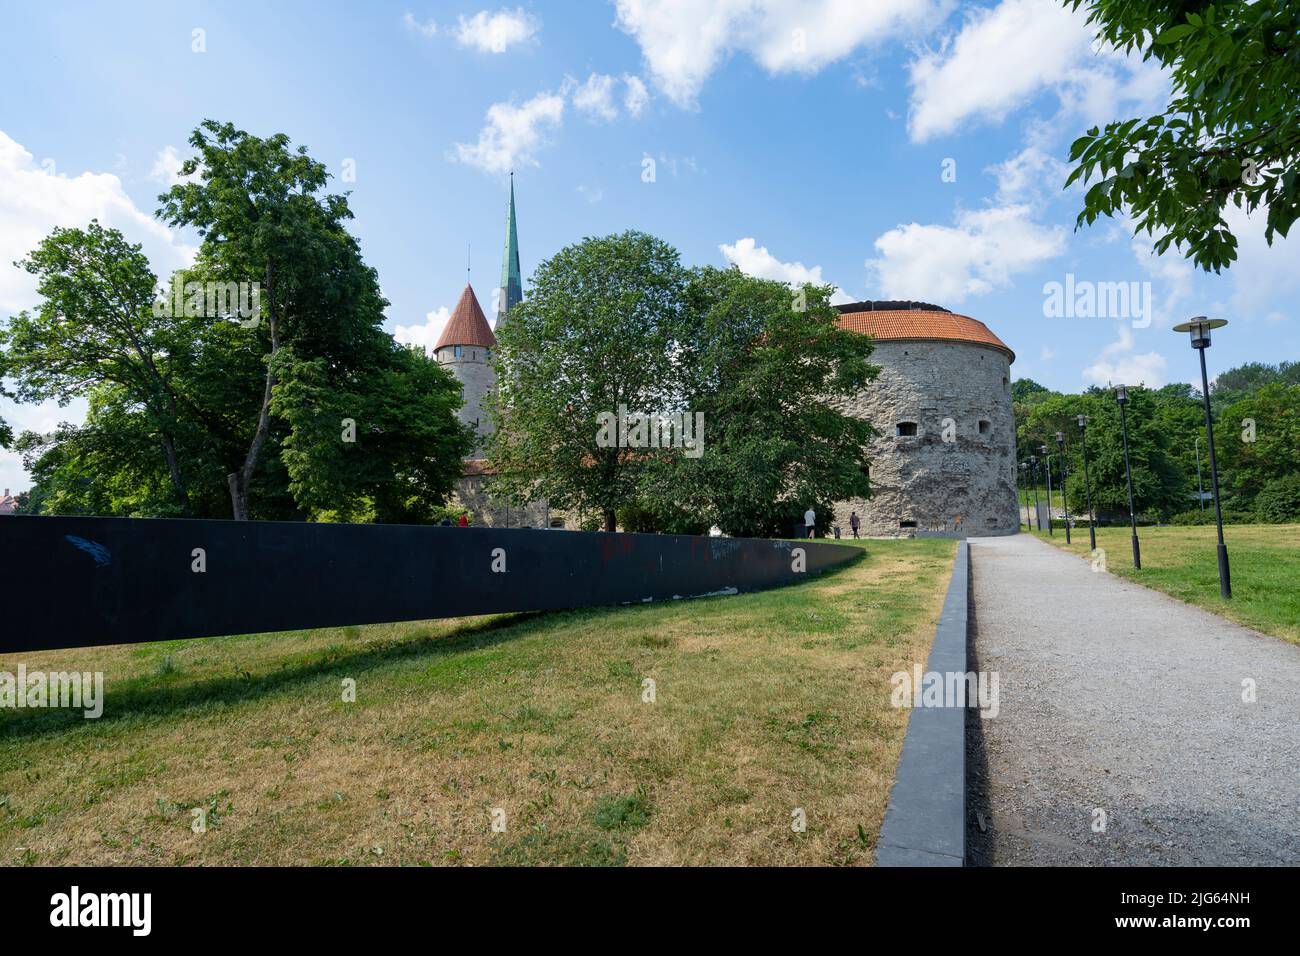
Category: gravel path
[1118,698]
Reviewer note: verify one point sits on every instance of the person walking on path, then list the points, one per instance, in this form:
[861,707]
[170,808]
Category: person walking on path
[854,521]
[463,521]
[810,522]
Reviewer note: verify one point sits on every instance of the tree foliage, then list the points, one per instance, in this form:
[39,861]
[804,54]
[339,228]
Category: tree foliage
[594,335]
[616,322]
[191,412]
[769,370]
[1229,134]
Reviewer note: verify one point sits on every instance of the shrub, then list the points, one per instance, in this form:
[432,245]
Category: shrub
[1279,500]
[1197,516]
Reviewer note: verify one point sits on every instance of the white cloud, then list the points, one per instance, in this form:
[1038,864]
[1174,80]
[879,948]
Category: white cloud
[512,134]
[166,167]
[636,96]
[1264,277]
[428,28]
[754,260]
[1118,364]
[595,97]
[981,252]
[1047,354]
[497,32]
[593,194]
[683,43]
[424,335]
[1031,174]
[34,199]
[1003,56]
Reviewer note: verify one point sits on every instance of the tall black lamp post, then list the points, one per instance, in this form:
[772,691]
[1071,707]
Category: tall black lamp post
[1047,464]
[1017,470]
[1065,478]
[1033,477]
[1087,484]
[1121,396]
[1199,329]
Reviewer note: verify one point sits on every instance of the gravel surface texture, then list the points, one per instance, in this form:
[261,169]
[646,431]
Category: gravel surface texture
[1117,698]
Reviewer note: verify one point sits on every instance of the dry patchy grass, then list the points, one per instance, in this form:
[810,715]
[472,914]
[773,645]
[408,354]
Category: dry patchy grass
[765,702]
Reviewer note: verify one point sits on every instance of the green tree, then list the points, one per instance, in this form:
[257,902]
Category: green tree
[1230,133]
[769,369]
[264,217]
[1256,440]
[386,447]
[96,330]
[1159,485]
[594,335]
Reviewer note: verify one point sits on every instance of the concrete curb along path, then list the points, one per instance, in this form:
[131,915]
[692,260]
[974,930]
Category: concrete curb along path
[925,822]
[1124,735]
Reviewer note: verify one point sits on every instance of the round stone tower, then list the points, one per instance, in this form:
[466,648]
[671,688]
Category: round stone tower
[943,460]
[465,349]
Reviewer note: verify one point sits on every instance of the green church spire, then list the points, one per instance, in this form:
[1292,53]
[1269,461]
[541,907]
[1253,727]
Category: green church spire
[512,286]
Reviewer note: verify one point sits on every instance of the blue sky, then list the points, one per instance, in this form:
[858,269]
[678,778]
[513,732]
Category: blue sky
[797,138]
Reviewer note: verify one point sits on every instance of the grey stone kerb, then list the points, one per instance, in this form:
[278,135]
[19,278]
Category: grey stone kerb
[925,822]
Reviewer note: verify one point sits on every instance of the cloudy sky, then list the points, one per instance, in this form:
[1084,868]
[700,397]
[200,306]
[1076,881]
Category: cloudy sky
[896,148]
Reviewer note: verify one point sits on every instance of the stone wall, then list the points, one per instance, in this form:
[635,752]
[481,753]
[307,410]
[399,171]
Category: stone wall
[490,512]
[476,379]
[924,485]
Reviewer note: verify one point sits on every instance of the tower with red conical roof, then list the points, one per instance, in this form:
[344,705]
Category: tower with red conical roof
[465,349]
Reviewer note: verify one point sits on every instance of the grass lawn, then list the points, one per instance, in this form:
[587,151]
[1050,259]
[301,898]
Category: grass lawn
[765,703]
[1183,562]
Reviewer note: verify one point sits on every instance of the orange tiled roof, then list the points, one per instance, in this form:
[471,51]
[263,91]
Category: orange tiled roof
[936,324]
[467,325]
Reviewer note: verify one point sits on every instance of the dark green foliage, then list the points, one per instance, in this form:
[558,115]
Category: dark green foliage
[1230,133]
[1279,500]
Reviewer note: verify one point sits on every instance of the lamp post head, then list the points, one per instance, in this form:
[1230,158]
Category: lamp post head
[1082,420]
[1060,439]
[1043,449]
[1121,394]
[1199,329]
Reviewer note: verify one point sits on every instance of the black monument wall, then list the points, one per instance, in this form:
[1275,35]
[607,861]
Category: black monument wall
[80,582]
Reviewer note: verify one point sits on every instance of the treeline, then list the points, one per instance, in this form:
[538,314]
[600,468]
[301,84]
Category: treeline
[265,387]
[1256,410]
[260,384]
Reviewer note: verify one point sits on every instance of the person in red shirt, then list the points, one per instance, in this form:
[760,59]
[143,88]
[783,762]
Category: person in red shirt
[463,521]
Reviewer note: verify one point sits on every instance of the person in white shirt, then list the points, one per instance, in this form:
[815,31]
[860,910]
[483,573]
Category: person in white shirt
[810,521]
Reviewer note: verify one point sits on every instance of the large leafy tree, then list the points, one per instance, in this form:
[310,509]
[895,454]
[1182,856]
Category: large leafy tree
[264,215]
[95,332]
[1230,133]
[769,369]
[595,334]
[319,353]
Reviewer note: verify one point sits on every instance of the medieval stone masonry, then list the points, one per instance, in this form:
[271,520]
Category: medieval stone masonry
[943,460]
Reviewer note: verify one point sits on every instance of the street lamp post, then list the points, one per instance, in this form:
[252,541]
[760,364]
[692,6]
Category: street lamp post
[1087,483]
[1199,329]
[1047,464]
[1016,471]
[1019,494]
[1033,477]
[1121,396]
[1200,488]
[1065,478]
